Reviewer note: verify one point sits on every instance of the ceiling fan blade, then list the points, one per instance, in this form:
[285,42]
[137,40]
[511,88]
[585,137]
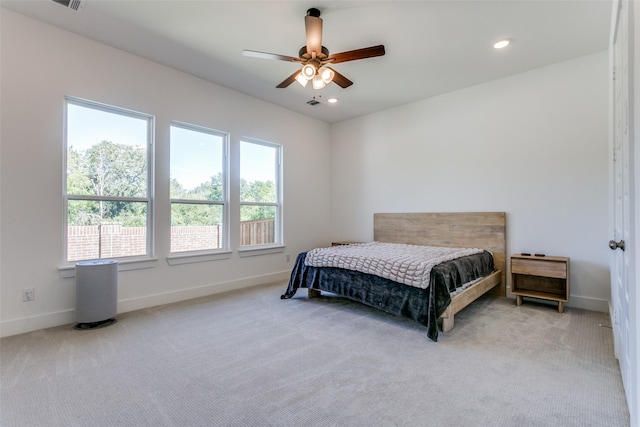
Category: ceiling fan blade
[286,82]
[265,55]
[313,27]
[340,80]
[352,55]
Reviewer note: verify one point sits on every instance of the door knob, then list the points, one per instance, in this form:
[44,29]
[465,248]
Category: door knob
[615,245]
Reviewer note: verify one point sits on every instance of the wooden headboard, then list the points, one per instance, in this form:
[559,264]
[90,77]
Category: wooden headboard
[486,230]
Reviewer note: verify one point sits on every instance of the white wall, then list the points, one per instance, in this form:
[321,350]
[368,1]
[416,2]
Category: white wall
[40,65]
[533,145]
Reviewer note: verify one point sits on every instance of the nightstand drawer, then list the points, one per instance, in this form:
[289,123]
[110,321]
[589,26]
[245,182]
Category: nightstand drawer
[539,267]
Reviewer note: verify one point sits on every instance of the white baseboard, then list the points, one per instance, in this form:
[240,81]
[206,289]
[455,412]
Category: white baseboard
[66,317]
[590,304]
[35,323]
[147,301]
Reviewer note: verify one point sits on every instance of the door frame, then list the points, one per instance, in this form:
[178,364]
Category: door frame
[633,273]
[634,246]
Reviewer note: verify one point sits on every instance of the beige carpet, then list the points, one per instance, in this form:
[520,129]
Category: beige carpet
[250,359]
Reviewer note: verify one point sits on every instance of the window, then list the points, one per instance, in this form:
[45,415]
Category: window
[107,182]
[198,188]
[260,194]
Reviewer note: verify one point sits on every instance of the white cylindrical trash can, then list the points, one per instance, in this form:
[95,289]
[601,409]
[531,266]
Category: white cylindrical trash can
[96,293]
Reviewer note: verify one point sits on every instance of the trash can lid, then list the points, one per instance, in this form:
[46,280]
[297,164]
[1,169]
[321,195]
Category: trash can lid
[98,262]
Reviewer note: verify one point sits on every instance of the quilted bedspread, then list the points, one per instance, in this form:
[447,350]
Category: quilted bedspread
[423,306]
[407,264]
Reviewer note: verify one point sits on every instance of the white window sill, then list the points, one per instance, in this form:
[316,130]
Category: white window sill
[191,257]
[67,271]
[247,251]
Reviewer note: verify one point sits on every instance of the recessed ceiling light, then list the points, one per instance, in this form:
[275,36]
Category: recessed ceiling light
[501,44]
[332,100]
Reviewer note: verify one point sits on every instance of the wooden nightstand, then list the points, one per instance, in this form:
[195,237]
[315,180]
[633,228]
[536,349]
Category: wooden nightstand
[545,277]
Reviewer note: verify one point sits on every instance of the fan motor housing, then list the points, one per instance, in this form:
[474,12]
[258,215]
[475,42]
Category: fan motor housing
[302,53]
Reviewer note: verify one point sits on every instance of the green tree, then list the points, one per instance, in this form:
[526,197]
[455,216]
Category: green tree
[176,190]
[80,212]
[257,192]
[210,190]
[193,213]
[107,169]
[116,170]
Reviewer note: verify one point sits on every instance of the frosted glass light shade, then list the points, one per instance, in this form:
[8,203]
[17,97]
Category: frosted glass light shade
[318,83]
[308,71]
[300,78]
[326,74]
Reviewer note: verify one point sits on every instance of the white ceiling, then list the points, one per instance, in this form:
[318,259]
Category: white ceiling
[432,47]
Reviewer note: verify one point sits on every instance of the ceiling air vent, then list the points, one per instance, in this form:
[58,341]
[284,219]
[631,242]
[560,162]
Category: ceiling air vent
[313,102]
[71,4]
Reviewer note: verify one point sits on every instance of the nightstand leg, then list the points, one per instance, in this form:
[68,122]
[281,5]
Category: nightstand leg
[560,307]
[518,300]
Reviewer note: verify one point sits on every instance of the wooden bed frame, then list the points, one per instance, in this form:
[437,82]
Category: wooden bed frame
[486,230]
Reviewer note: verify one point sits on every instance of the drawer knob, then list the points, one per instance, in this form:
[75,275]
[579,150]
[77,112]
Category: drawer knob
[615,245]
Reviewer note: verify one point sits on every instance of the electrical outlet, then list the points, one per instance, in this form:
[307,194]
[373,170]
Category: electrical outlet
[28,295]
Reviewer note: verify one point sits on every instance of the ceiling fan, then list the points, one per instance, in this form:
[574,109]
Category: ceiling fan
[315,58]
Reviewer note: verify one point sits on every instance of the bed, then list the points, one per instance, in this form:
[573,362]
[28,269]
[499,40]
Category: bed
[435,306]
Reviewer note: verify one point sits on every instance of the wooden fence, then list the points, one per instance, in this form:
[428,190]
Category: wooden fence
[257,232]
[114,240]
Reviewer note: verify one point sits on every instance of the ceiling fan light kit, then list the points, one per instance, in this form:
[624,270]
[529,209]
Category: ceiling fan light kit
[314,57]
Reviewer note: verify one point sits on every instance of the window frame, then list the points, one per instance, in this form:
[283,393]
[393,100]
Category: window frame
[149,199]
[182,257]
[278,244]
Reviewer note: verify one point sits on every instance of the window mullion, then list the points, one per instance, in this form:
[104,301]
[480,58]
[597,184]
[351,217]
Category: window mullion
[107,198]
[198,202]
[259,204]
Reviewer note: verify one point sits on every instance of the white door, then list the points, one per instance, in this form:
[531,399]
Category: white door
[620,259]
